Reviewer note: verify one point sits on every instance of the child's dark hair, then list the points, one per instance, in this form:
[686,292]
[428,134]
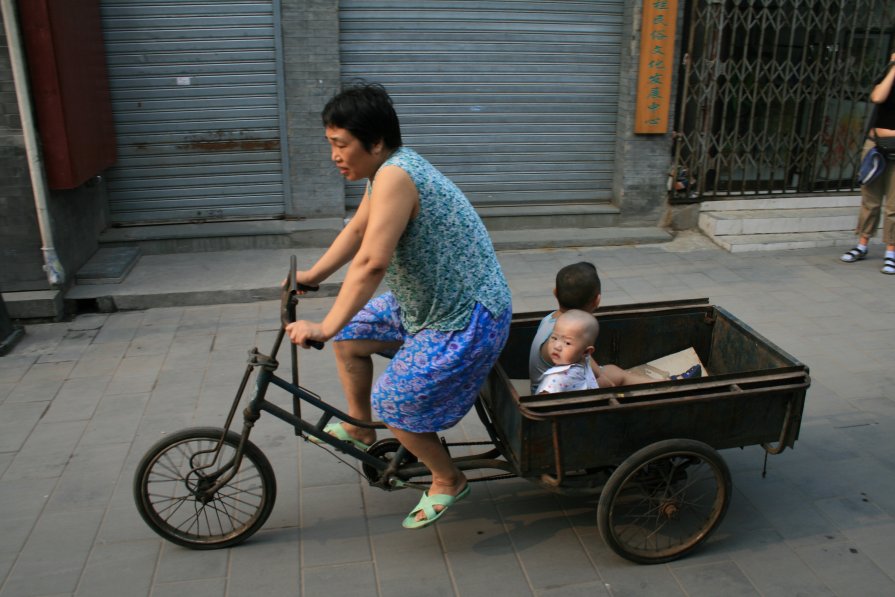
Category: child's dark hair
[577,285]
[366,111]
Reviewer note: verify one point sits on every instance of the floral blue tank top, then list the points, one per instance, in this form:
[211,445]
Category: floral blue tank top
[444,262]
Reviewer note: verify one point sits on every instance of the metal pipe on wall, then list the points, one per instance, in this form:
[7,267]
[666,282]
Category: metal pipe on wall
[52,265]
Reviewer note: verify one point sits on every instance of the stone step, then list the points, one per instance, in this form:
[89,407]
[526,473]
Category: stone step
[224,236]
[109,265]
[537,217]
[777,221]
[786,202]
[742,243]
[553,238]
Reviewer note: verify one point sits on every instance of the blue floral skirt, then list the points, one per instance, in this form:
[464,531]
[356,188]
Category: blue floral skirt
[434,378]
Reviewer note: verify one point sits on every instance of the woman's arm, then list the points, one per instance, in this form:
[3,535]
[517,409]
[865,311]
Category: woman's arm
[391,206]
[881,91]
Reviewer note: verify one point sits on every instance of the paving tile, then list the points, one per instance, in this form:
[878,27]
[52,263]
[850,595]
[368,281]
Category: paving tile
[711,580]
[284,460]
[136,375]
[149,341]
[403,558]
[99,360]
[89,477]
[267,564]
[116,419]
[627,579]
[39,339]
[5,460]
[548,548]
[6,562]
[17,420]
[191,352]
[40,383]
[584,590]
[790,512]
[334,530]
[178,564]
[356,579]
[846,570]
[120,569]
[482,559]
[70,348]
[123,524]
[876,543]
[13,366]
[119,327]
[321,469]
[46,451]
[774,568]
[216,587]
[21,503]
[848,512]
[77,399]
[54,555]
[236,335]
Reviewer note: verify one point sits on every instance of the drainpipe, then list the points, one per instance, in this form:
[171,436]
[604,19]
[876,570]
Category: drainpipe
[52,265]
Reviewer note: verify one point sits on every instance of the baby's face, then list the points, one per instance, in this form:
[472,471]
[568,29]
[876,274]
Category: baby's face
[566,343]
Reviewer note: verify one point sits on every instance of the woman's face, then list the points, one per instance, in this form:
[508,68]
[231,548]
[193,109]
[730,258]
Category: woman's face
[351,157]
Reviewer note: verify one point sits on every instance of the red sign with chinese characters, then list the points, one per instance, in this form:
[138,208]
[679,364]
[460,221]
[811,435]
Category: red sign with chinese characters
[657,33]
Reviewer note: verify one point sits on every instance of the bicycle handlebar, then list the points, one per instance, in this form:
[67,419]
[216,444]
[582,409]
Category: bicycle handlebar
[289,300]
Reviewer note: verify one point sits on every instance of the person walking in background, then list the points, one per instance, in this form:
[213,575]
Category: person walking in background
[882,188]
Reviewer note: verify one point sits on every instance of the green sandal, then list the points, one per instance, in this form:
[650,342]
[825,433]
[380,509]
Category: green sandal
[427,506]
[337,431]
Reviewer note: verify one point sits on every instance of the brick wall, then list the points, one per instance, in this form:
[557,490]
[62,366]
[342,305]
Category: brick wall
[20,258]
[77,216]
[310,33]
[642,161]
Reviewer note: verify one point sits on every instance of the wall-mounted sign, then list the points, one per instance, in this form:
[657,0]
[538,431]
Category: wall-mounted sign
[657,33]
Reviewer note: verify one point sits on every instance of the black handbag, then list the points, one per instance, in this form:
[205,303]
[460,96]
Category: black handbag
[886,146]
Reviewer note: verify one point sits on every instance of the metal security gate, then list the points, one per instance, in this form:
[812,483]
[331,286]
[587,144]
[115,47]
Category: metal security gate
[197,112]
[516,101]
[774,95]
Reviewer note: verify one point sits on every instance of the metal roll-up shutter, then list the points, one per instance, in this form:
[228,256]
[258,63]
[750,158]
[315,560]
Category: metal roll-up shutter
[197,113]
[516,101]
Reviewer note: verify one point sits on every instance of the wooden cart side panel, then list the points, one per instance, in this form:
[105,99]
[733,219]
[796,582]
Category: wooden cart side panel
[628,341]
[498,399]
[733,351]
[607,438]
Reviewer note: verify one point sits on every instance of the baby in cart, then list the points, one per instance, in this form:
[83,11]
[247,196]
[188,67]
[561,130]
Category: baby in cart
[570,345]
[578,288]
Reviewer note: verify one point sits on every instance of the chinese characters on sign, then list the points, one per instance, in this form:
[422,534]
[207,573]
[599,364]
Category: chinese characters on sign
[657,33]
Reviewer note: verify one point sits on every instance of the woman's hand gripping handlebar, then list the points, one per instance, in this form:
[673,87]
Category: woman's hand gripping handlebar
[298,331]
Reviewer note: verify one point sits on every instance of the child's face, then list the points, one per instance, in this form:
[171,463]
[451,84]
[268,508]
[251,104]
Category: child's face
[567,344]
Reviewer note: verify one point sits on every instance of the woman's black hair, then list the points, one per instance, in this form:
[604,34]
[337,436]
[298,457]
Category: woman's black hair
[366,111]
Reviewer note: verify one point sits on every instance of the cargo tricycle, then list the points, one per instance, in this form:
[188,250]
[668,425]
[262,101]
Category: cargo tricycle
[649,452]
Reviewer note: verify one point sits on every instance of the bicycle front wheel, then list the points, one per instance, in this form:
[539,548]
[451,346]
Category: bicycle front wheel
[172,481]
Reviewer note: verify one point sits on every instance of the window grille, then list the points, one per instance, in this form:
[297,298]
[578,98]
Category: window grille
[774,95]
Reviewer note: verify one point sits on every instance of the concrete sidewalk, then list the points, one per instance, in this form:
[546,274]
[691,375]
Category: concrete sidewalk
[81,401]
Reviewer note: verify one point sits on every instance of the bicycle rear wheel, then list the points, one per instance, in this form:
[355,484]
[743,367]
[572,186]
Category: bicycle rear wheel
[664,501]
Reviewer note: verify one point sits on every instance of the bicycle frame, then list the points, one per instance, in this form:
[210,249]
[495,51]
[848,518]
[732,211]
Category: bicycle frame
[392,474]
